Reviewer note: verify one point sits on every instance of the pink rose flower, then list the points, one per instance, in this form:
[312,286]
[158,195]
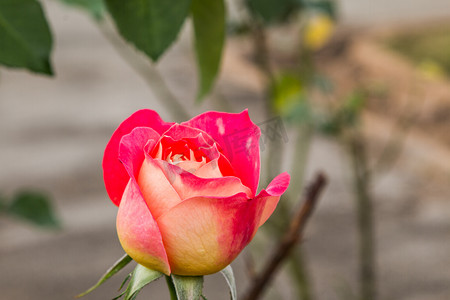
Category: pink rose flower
[187,192]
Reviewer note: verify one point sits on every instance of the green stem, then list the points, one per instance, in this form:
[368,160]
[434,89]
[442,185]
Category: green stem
[300,159]
[298,263]
[274,158]
[262,59]
[173,293]
[2,204]
[219,101]
[148,72]
[299,269]
[361,181]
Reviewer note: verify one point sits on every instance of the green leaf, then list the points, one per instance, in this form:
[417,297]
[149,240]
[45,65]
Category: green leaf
[33,207]
[229,277]
[25,37]
[140,278]
[209,27]
[96,8]
[326,6]
[116,267]
[271,11]
[3,205]
[188,287]
[151,25]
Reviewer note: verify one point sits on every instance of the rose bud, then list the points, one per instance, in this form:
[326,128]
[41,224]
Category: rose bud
[187,192]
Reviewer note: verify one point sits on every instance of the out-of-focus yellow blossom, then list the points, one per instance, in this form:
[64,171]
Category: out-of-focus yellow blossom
[318,31]
[430,69]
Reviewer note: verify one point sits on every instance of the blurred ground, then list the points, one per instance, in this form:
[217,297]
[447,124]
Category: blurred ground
[53,132]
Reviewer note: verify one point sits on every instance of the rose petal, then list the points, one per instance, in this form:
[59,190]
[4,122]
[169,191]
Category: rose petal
[156,188]
[182,132]
[202,235]
[138,232]
[272,194]
[225,167]
[114,174]
[208,170]
[191,166]
[212,152]
[131,148]
[239,138]
[188,185]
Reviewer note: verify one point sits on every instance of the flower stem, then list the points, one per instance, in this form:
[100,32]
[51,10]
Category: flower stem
[289,239]
[299,268]
[173,293]
[148,72]
[361,181]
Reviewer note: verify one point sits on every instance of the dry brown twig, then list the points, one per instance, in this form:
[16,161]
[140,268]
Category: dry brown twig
[289,240]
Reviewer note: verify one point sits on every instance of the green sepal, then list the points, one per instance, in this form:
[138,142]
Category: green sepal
[188,287]
[119,296]
[125,280]
[118,265]
[229,277]
[140,277]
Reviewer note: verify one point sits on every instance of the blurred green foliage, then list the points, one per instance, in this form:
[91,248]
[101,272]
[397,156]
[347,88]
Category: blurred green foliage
[328,7]
[289,99]
[30,206]
[96,8]
[280,11]
[209,28]
[425,46]
[151,25]
[344,116]
[271,11]
[25,37]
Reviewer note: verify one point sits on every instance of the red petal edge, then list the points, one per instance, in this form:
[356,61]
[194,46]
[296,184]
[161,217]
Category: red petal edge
[271,195]
[239,138]
[114,174]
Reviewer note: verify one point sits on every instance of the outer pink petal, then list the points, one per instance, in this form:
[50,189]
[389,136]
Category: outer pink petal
[156,188]
[202,235]
[138,232]
[189,185]
[239,138]
[131,148]
[114,174]
[271,195]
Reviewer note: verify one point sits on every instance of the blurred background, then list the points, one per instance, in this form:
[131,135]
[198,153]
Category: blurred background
[370,107]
